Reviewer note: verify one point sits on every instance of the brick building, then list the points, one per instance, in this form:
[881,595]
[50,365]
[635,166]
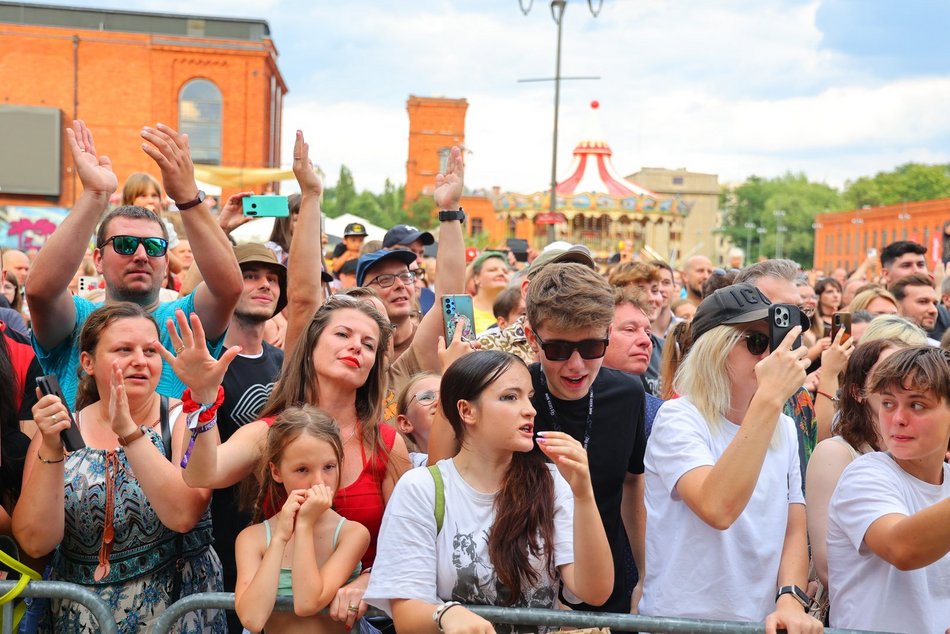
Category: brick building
[215,78]
[842,239]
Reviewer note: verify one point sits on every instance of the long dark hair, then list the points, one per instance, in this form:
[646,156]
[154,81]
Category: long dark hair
[87,393]
[856,425]
[11,467]
[524,507]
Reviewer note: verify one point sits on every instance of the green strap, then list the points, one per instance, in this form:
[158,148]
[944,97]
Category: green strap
[439,497]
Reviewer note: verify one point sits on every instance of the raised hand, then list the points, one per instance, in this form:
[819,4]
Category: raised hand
[95,172]
[319,499]
[307,177]
[448,186]
[835,358]
[570,458]
[287,517]
[119,417]
[171,153]
[456,349]
[51,418]
[192,362]
[232,215]
[783,371]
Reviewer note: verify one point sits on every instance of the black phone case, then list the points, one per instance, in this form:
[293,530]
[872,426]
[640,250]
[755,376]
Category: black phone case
[72,438]
[782,318]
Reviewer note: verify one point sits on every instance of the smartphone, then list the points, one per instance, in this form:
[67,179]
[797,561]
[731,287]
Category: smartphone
[272,206]
[872,252]
[839,321]
[519,247]
[782,318]
[72,439]
[458,312]
[87,283]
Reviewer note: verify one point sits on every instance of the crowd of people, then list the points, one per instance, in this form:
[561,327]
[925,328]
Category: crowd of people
[622,436]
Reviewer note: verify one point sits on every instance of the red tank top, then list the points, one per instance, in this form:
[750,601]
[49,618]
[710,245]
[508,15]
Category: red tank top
[361,501]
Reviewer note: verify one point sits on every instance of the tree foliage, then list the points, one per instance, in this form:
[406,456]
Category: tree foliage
[908,182]
[384,210]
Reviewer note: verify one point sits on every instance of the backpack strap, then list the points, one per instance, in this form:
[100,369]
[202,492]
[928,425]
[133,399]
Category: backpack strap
[439,497]
[166,428]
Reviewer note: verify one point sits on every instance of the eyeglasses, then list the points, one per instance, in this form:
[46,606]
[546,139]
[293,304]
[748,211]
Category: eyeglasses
[388,279]
[426,397]
[557,350]
[127,245]
[756,342]
[420,273]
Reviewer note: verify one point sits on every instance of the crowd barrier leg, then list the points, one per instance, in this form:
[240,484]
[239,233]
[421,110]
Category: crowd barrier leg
[7,622]
[62,590]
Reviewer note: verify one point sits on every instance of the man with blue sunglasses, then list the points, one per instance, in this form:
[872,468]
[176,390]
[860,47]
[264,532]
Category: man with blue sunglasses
[131,256]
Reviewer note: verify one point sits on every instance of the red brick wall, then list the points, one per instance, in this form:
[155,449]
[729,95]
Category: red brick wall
[128,80]
[434,123]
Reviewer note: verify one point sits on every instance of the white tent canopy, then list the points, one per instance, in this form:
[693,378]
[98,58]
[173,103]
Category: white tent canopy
[335,226]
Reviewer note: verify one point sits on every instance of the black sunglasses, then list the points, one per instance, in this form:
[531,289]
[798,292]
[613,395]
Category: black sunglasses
[558,350]
[127,245]
[756,342]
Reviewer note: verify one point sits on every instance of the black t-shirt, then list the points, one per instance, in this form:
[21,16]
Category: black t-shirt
[617,443]
[247,386]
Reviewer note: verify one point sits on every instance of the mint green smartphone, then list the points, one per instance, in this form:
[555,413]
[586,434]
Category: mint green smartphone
[266,206]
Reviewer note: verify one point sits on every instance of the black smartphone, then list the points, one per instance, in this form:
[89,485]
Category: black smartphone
[839,321]
[782,318]
[519,247]
[72,439]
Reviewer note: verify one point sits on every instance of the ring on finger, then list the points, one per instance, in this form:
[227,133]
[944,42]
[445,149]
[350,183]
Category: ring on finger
[352,608]
[179,349]
[55,417]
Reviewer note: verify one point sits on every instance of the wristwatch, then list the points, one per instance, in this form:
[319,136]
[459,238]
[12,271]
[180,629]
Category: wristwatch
[125,441]
[200,198]
[796,592]
[446,216]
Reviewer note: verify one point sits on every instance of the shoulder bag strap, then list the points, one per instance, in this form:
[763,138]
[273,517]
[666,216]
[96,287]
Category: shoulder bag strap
[439,497]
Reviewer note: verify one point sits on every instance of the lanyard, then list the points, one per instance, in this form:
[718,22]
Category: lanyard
[590,411]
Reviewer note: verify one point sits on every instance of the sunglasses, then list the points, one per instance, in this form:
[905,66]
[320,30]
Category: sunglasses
[426,397]
[756,342]
[388,279]
[557,350]
[127,245]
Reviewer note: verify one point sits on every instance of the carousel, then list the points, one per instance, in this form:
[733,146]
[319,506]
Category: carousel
[598,207]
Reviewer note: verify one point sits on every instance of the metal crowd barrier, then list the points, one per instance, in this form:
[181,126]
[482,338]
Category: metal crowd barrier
[520,616]
[61,590]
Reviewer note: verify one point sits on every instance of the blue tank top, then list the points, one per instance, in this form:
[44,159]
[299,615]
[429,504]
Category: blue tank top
[284,585]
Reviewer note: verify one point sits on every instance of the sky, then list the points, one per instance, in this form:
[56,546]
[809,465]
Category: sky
[836,89]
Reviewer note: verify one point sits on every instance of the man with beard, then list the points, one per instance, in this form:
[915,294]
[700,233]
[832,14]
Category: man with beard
[696,271]
[131,256]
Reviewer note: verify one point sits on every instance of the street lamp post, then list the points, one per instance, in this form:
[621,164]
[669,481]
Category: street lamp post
[761,231]
[779,232]
[903,216]
[749,226]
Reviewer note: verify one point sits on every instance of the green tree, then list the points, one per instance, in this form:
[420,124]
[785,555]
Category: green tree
[757,199]
[421,212]
[908,182]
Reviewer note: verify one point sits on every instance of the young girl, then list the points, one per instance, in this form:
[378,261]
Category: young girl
[512,527]
[306,551]
[417,403]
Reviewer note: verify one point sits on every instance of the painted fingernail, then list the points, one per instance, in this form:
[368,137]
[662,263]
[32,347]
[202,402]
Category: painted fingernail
[541,441]
[542,433]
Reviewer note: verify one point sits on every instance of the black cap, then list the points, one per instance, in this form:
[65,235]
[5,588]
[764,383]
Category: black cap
[354,229]
[730,305]
[405,234]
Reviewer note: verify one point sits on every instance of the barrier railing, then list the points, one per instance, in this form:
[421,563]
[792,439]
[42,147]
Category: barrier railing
[520,616]
[61,590]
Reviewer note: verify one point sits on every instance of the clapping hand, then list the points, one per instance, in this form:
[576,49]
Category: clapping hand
[119,416]
[192,362]
[448,186]
[95,172]
[307,177]
[171,153]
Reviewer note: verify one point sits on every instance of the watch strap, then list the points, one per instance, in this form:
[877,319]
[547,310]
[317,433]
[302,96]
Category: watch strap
[450,215]
[125,441]
[800,595]
[197,200]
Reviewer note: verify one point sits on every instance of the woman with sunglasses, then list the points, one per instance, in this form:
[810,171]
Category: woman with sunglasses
[726,533]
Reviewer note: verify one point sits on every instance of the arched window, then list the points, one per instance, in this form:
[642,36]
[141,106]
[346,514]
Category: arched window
[199,116]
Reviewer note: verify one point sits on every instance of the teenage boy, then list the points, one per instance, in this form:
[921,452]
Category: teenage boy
[569,311]
[889,518]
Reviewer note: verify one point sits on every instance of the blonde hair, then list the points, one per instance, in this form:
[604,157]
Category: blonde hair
[862,300]
[704,376]
[894,327]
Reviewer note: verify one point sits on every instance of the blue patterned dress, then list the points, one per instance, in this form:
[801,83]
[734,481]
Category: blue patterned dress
[140,581]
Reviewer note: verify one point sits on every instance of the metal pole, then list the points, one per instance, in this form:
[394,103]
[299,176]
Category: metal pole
[6,626]
[749,226]
[557,12]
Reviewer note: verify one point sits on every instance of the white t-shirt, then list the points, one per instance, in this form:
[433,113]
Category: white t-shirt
[412,562]
[867,592]
[692,569]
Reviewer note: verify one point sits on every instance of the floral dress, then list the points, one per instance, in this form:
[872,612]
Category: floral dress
[140,579]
